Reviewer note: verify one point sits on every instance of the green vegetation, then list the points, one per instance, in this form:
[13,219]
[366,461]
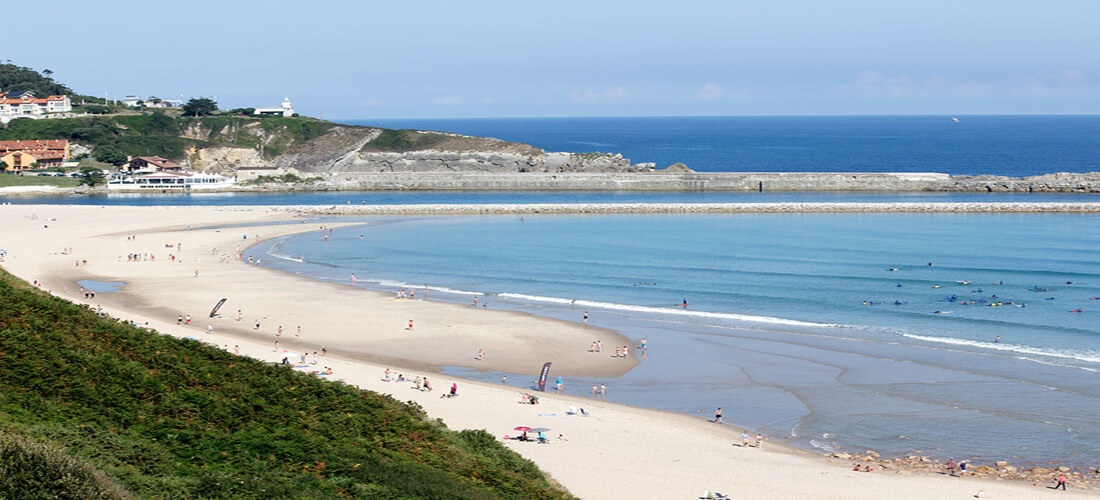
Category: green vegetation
[90,176]
[30,469]
[402,141]
[173,418]
[201,106]
[158,134]
[17,78]
[7,180]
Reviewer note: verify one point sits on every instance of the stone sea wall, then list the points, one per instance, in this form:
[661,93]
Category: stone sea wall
[698,208]
[691,181]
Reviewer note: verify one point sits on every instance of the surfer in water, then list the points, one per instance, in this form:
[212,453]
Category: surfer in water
[684,304]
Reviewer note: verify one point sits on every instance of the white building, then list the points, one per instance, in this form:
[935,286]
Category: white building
[150,102]
[286,109]
[26,105]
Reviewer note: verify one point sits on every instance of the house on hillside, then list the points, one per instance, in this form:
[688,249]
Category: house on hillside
[286,110]
[18,161]
[16,156]
[149,164]
[24,104]
[134,101]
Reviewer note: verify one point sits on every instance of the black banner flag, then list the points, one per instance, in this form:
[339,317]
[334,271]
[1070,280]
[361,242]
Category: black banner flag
[542,376]
[219,306]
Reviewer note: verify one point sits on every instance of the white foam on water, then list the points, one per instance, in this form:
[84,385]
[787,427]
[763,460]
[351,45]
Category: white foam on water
[1086,356]
[664,311]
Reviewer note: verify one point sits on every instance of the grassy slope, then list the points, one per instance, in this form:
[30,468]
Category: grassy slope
[34,180]
[171,418]
[157,134]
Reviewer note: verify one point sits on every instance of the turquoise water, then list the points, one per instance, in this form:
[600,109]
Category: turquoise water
[776,331]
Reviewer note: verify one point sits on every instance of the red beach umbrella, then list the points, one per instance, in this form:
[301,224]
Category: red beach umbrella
[522,429]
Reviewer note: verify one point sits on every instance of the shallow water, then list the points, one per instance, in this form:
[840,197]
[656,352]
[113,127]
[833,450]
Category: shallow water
[776,331]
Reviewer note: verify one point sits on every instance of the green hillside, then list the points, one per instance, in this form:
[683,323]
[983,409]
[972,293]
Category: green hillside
[161,417]
[18,78]
[114,137]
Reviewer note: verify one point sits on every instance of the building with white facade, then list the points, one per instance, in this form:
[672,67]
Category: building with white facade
[26,105]
[286,109]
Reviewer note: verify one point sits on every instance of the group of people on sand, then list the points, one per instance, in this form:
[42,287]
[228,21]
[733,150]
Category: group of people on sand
[759,443]
[597,346]
[622,352]
[405,294]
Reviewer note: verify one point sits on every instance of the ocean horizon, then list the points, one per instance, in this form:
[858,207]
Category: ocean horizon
[1008,145]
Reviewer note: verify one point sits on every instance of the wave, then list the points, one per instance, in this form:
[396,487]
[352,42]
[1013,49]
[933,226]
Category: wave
[592,304]
[661,310]
[1086,356]
[274,251]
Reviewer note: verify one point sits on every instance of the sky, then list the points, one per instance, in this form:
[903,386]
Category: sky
[365,59]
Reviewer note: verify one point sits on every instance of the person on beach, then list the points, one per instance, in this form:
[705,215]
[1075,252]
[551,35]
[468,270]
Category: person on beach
[603,390]
[559,384]
[759,440]
[237,349]
[962,468]
[279,332]
[718,416]
[586,317]
[324,351]
[480,354]
[951,467]
[179,320]
[299,332]
[997,340]
[454,389]
[209,328]
[427,385]
[410,325]
[187,319]
[475,302]
[744,439]
[276,346]
[644,344]
[257,325]
[1061,482]
[595,390]
[239,315]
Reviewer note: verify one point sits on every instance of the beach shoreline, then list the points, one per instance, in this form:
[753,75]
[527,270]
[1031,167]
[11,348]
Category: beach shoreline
[151,285]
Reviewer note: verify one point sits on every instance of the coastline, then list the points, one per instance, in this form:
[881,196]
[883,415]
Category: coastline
[700,453]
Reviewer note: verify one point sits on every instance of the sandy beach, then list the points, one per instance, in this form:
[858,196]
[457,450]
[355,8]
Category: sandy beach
[616,451]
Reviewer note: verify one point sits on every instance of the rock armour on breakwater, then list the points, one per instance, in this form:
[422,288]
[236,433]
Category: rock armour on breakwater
[702,208]
[693,181]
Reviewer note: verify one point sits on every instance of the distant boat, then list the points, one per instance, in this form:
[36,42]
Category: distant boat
[956,120]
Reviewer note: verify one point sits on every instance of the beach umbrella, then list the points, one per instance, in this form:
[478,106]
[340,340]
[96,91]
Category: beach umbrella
[540,429]
[522,429]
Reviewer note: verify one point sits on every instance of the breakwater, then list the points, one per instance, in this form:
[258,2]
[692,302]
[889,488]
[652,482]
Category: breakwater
[701,208]
[695,181]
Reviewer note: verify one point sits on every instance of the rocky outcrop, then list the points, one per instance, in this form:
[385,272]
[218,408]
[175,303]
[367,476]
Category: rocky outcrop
[364,149]
[223,159]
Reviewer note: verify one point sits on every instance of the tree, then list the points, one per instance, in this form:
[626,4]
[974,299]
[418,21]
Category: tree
[199,107]
[109,155]
[91,176]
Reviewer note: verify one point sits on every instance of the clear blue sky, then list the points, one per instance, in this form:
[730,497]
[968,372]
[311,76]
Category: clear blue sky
[370,59]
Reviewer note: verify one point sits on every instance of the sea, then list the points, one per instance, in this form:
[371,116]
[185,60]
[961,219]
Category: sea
[956,335]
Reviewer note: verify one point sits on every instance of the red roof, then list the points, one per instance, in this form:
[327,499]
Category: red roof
[30,100]
[57,145]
